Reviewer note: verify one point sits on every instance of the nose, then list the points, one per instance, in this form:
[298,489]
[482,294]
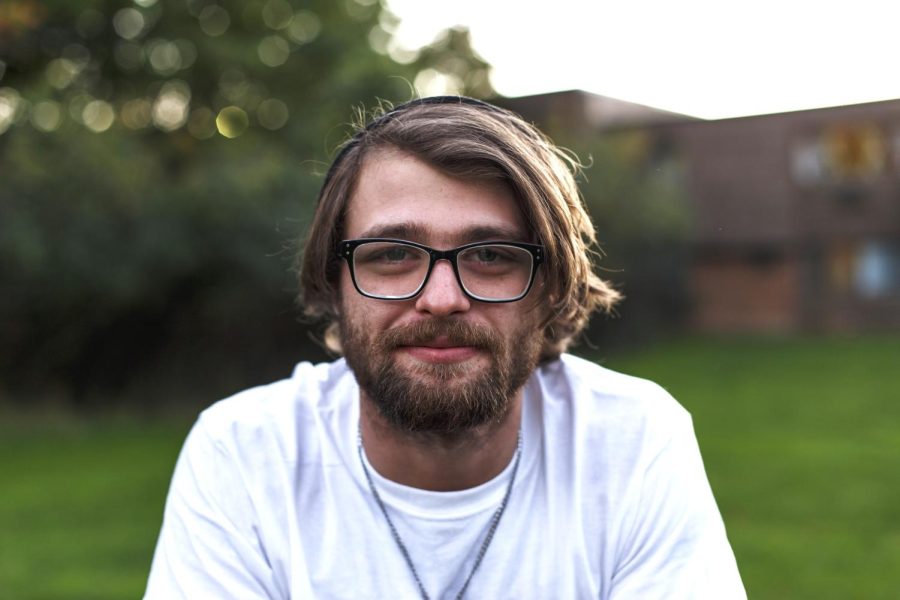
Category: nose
[442,295]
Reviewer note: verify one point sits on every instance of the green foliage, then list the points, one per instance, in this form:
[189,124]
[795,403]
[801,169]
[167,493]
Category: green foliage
[147,250]
[634,196]
[147,230]
[124,258]
[638,203]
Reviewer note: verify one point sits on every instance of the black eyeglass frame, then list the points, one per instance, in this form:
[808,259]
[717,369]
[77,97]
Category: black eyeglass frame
[346,248]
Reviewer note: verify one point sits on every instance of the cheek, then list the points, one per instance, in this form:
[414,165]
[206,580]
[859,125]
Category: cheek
[514,320]
[366,313]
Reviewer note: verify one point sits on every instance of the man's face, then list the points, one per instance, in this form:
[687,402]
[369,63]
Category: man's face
[440,362]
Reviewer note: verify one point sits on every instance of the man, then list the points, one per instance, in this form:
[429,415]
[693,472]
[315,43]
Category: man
[455,451]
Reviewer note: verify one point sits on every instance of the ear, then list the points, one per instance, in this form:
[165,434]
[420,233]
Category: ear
[332,338]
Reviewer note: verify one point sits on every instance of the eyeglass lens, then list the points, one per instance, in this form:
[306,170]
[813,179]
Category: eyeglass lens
[394,270]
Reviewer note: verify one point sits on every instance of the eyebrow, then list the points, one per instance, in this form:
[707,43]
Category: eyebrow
[416,232]
[492,232]
[403,231]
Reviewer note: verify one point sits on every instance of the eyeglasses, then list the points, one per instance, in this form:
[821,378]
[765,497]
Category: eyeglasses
[388,269]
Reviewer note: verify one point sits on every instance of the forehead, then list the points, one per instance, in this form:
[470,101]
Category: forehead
[398,195]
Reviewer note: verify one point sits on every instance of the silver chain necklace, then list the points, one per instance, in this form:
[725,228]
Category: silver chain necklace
[495,519]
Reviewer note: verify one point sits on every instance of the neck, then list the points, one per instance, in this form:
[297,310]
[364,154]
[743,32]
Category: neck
[439,463]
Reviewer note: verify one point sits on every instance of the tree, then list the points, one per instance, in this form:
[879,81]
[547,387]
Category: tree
[159,160]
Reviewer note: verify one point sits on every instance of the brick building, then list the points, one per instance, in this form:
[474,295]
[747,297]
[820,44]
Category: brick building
[796,215]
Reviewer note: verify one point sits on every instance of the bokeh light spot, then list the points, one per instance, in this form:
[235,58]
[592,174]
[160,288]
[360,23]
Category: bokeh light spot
[431,82]
[195,6]
[46,116]
[145,3]
[273,51]
[78,55]
[401,54]
[277,14]
[137,113]
[214,20]
[359,10]
[272,113]
[304,27]
[202,123]
[98,116]
[232,121]
[233,85]
[170,110]
[188,52]
[378,39]
[61,72]
[77,105]
[10,103]
[129,23]
[164,57]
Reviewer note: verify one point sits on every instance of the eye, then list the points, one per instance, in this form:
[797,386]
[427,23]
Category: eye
[395,254]
[494,259]
[487,254]
[385,253]
[495,254]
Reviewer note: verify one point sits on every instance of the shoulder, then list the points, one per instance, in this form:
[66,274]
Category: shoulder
[608,407]
[572,379]
[272,414]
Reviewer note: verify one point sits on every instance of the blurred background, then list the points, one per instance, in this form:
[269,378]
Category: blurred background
[159,162]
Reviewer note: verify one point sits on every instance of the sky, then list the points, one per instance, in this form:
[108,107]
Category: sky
[705,58]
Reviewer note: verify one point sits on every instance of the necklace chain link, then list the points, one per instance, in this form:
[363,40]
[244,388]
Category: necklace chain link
[495,520]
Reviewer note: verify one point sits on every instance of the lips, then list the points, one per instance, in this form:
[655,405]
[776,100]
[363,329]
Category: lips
[440,354]
[440,341]
[440,350]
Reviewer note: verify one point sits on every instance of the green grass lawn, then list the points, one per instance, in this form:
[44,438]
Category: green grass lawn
[80,506]
[801,440]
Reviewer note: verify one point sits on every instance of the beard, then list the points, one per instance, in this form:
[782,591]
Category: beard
[442,400]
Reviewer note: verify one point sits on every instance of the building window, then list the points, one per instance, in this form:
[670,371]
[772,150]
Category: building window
[877,272]
[808,163]
[869,268]
[854,151]
[841,153]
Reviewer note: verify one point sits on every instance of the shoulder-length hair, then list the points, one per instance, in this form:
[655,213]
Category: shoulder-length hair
[473,140]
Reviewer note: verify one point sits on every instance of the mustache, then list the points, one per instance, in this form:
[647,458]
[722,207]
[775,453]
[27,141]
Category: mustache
[455,331]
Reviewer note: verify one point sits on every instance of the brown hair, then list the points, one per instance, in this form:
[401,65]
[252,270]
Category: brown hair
[470,139]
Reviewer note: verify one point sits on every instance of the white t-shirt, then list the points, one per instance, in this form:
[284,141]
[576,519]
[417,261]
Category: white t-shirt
[269,500]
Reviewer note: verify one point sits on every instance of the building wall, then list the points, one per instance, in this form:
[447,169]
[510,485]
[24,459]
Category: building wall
[738,180]
[824,184]
[796,215]
[740,292]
